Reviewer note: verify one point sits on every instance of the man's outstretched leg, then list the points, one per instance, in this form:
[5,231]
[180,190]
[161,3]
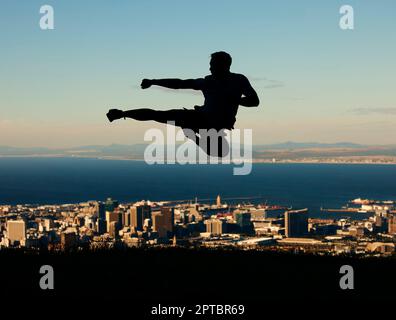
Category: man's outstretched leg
[183,118]
[146,114]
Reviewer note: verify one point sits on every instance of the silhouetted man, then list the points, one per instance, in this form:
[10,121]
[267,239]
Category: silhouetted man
[223,90]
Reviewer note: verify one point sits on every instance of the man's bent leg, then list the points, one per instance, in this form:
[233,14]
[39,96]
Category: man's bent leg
[213,142]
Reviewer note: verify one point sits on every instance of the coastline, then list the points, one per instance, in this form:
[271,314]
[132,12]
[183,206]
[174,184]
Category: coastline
[369,161]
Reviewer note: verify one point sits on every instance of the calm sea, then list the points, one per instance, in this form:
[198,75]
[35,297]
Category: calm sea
[71,180]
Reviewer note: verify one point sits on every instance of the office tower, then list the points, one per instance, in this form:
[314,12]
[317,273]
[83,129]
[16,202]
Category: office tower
[113,229]
[168,218]
[100,210]
[101,226]
[126,218]
[392,224]
[215,226]
[162,222]
[110,204]
[111,216]
[296,223]
[380,224]
[243,220]
[218,201]
[156,220]
[138,215]
[16,231]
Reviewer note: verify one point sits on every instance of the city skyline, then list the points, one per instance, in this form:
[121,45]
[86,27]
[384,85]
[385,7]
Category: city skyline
[112,224]
[313,79]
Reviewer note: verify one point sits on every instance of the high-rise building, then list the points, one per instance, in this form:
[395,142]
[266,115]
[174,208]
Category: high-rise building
[16,231]
[162,222]
[113,229]
[156,219]
[100,210]
[101,226]
[169,218]
[110,204]
[296,223]
[138,215]
[126,218]
[243,220]
[101,223]
[392,224]
[111,216]
[215,226]
[380,224]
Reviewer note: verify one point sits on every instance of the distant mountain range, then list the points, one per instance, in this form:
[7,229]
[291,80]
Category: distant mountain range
[304,145]
[287,150]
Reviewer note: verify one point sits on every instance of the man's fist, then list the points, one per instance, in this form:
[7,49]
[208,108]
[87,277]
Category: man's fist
[146,83]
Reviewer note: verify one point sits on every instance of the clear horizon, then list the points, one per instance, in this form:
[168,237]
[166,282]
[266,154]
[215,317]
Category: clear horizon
[315,81]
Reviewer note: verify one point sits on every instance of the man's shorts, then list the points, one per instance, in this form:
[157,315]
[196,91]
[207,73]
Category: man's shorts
[196,119]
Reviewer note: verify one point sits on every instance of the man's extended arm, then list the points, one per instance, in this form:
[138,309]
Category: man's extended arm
[173,83]
[250,98]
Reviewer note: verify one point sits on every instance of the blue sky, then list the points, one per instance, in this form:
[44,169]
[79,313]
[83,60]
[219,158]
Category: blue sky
[316,82]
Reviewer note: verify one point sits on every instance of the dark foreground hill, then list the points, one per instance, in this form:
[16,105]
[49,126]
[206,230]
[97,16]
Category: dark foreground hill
[139,279]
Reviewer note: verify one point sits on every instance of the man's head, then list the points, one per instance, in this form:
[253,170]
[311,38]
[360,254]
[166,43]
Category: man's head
[220,63]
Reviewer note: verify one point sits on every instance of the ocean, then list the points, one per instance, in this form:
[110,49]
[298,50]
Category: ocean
[72,180]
